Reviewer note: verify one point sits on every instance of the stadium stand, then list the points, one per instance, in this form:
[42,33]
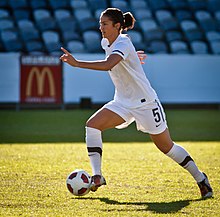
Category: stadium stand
[163,26]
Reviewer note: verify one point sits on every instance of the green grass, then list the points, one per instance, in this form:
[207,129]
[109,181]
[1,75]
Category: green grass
[68,126]
[141,181]
[40,148]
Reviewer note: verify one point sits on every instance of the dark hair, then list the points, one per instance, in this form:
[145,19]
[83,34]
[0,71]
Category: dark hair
[126,20]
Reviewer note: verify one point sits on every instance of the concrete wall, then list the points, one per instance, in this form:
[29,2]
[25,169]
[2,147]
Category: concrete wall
[177,79]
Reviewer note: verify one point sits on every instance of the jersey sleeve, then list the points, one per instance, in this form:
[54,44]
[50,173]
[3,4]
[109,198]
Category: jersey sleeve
[122,49]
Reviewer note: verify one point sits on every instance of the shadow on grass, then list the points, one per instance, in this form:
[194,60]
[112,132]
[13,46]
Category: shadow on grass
[156,207]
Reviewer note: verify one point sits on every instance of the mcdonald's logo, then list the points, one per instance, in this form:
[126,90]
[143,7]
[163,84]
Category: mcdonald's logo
[40,79]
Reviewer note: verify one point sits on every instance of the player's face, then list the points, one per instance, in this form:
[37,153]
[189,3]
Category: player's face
[107,28]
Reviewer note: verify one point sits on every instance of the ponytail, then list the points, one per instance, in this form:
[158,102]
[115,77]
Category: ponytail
[129,21]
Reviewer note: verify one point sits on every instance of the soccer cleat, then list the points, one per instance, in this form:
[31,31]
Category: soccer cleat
[205,188]
[96,182]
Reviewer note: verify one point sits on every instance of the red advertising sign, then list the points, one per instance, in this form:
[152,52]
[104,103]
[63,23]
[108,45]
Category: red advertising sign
[40,79]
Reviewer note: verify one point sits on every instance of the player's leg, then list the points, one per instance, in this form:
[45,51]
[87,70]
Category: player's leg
[151,119]
[176,152]
[100,121]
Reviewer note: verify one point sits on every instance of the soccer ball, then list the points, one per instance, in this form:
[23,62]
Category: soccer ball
[78,182]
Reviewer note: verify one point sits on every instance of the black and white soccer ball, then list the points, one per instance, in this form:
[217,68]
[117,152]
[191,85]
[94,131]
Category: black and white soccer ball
[78,182]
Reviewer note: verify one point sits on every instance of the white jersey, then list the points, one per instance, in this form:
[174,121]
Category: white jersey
[132,88]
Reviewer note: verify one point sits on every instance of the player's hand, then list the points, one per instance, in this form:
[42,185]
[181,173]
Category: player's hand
[68,58]
[142,56]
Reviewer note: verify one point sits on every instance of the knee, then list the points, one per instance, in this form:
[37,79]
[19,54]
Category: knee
[93,124]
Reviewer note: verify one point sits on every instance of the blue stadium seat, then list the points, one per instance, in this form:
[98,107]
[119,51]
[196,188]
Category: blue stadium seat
[28,31]
[92,41]
[138,4]
[38,4]
[151,30]
[214,5]
[158,4]
[81,14]
[60,14]
[76,4]
[70,35]
[97,4]
[157,47]
[88,24]
[50,36]
[23,24]
[183,15]
[6,24]
[58,4]
[191,31]
[11,41]
[217,17]
[22,14]
[16,4]
[29,34]
[215,47]
[173,36]
[196,5]
[178,4]
[4,14]
[98,13]
[163,14]
[39,14]
[166,20]
[142,13]
[206,21]
[4,4]
[76,46]
[48,23]
[213,36]
[199,47]
[33,46]
[148,24]
[52,42]
[179,47]
[122,5]
[137,39]
[9,34]
[44,20]
[14,46]
[68,23]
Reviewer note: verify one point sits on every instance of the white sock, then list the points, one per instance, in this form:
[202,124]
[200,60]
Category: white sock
[182,157]
[94,147]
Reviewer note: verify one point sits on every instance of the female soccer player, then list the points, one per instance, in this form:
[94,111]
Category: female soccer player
[134,100]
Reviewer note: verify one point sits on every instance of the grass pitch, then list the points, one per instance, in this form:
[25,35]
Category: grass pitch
[141,181]
[68,126]
[40,148]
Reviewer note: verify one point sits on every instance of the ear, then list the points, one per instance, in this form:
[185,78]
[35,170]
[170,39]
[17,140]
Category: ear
[117,26]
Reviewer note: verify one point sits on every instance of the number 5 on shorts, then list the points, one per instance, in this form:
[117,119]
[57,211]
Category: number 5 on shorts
[157,113]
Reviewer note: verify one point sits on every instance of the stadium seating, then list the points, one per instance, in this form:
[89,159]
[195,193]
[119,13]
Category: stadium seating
[162,26]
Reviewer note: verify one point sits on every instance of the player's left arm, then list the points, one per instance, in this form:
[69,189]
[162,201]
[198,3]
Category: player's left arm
[103,65]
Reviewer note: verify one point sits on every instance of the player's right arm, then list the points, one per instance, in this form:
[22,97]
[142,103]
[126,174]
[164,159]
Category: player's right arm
[103,65]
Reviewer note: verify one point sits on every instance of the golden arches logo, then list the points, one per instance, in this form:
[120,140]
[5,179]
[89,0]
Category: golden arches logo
[40,78]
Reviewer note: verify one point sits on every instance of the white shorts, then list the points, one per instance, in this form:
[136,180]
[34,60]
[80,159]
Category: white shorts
[150,117]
